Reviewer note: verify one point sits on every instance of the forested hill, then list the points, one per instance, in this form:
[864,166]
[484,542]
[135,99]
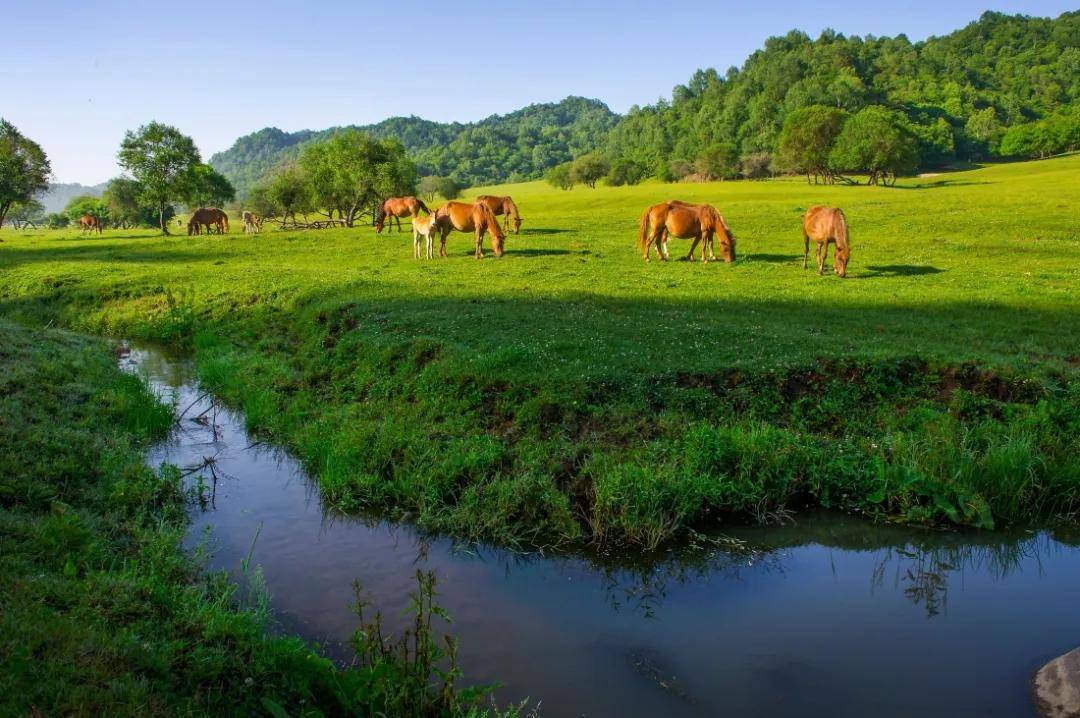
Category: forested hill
[516,146]
[960,92]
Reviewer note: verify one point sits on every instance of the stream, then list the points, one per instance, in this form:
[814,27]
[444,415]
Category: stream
[827,616]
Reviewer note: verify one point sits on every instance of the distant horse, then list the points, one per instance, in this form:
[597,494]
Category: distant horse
[424,227]
[700,222]
[252,222]
[825,225]
[210,218]
[88,223]
[465,217]
[504,206]
[396,208]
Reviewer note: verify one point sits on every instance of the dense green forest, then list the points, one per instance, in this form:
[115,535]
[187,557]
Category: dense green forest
[960,93]
[517,146]
[1004,86]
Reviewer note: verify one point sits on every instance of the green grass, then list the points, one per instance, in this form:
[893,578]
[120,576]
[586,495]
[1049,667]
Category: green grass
[101,613]
[570,391]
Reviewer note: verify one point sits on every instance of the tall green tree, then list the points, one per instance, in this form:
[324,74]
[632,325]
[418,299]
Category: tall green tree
[24,169]
[807,139]
[590,169]
[876,140]
[288,190]
[86,204]
[561,176]
[161,159]
[718,161]
[350,173]
[126,207]
[206,187]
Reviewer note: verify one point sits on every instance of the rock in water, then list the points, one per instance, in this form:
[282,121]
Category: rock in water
[1057,687]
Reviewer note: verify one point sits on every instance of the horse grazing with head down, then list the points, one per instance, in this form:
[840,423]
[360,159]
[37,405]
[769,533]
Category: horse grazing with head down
[465,217]
[700,222]
[503,206]
[210,218]
[825,225]
[397,207]
[88,223]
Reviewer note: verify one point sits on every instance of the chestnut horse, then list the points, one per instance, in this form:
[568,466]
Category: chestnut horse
[700,222]
[208,217]
[824,225]
[88,223]
[504,206]
[465,217]
[396,208]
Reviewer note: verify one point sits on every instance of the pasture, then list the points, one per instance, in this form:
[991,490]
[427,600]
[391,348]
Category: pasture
[570,391]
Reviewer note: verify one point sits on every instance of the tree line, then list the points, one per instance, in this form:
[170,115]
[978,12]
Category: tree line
[1003,87]
[162,168]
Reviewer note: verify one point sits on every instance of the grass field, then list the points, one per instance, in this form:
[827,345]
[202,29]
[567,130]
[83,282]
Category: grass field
[570,391]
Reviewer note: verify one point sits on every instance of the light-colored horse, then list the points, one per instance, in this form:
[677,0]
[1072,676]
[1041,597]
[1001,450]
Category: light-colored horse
[825,225]
[252,222]
[465,217]
[426,228]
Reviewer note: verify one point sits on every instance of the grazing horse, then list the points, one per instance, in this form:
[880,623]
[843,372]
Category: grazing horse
[396,208]
[824,225]
[424,227]
[699,222]
[465,217]
[208,217]
[252,222]
[88,223]
[504,206]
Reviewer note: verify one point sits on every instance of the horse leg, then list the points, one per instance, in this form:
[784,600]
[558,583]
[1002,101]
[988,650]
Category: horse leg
[442,241]
[690,257]
[415,244]
[712,245]
[823,257]
[430,245]
[806,248]
[398,222]
[480,230]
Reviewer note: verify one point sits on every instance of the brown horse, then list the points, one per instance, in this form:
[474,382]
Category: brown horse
[252,222]
[465,217]
[700,222]
[824,225]
[396,208]
[504,206]
[210,218]
[88,223]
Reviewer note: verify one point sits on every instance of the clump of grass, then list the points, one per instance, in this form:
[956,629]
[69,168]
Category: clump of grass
[103,612]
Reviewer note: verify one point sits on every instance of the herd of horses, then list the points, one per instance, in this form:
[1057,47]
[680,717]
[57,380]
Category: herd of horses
[700,223]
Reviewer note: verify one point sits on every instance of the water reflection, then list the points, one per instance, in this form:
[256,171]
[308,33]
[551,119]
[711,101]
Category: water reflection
[821,617]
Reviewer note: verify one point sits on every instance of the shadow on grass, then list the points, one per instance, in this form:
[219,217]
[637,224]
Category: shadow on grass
[540,252]
[111,253]
[775,258]
[898,270]
[942,184]
[544,230]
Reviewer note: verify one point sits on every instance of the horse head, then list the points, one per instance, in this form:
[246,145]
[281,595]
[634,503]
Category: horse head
[380,219]
[517,225]
[840,260]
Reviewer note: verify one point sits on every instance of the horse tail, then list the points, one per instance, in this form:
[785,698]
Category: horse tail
[643,230]
[421,205]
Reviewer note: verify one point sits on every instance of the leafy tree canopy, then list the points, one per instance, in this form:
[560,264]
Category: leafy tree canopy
[24,169]
[162,160]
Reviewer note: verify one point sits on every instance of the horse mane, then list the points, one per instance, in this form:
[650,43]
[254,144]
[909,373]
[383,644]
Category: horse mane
[421,205]
[492,222]
[841,228]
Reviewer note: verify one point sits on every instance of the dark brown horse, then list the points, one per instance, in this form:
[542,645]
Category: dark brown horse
[396,208]
[825,225]
[88,223]
[699,222]
[465,217]
[503,206]
[210,218]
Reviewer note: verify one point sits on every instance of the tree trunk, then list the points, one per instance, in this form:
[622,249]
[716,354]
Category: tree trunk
[161,218]
[3,212]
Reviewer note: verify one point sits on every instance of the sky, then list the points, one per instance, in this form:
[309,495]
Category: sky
[75,75]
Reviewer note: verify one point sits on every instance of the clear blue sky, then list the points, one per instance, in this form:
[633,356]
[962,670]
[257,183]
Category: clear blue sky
[75,76]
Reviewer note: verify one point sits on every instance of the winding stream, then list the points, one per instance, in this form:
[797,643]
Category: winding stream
[828,617]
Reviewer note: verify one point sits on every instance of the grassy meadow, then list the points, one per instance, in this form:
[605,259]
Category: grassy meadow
[569,391]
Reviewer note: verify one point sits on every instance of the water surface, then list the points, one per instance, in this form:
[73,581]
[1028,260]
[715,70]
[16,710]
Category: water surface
[831,616]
